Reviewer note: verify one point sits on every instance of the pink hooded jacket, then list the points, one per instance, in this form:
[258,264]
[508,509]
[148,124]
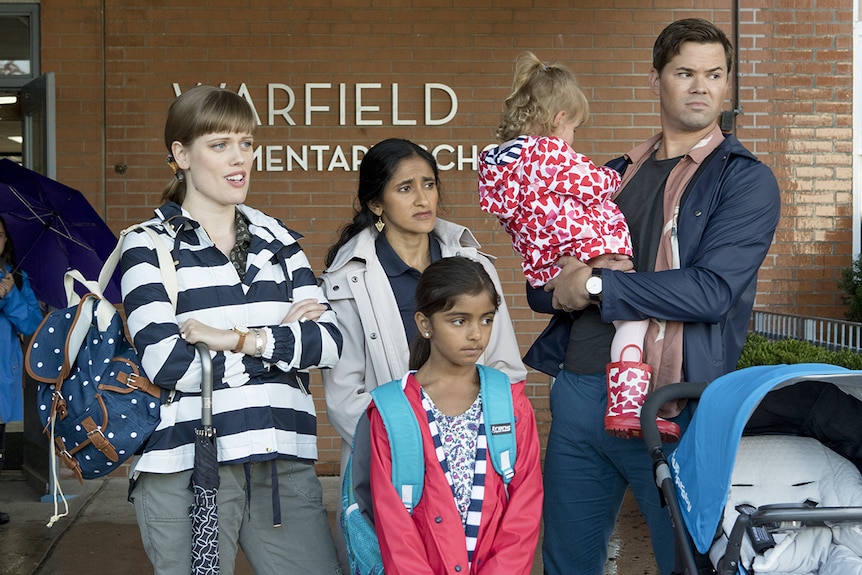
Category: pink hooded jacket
[432,540]
[553,202]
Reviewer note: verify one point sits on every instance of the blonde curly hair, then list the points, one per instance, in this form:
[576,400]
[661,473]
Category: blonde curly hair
[539,92]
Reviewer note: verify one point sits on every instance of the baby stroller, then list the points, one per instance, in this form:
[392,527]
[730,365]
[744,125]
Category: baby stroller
[766,478]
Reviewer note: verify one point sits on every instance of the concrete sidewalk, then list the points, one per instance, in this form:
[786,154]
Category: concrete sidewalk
[100,534]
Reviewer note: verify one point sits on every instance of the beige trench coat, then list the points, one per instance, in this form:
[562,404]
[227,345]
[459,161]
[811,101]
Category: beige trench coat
[375,346]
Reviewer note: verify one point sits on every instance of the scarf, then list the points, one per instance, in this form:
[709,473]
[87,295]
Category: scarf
[471,517]
[663,343]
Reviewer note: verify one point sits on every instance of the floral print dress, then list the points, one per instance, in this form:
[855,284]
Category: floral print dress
[459,439]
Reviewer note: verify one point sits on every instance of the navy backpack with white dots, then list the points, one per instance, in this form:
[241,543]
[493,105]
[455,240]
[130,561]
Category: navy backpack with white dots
[97,406]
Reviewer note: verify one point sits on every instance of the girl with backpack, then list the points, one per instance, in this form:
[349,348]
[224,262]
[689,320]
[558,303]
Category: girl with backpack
[468,519]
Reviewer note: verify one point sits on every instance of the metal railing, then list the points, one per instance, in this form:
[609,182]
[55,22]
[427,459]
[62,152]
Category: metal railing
[833,334]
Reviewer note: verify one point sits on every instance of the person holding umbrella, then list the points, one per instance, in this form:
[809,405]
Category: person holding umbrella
[246,291]
[56,229]
[19,316]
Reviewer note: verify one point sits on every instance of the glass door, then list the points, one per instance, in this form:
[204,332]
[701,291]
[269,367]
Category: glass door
[38,116]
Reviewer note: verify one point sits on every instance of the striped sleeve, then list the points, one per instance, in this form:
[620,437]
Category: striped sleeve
[151,319]
[303,345]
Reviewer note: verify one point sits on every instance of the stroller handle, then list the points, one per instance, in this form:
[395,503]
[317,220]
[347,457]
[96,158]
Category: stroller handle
[649,428]
[654,401]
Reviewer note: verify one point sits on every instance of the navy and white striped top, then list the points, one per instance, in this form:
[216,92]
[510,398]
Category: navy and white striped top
[261,406]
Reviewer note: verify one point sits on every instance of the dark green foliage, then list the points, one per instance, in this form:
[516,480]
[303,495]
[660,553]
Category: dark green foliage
[760,351]
[851,284]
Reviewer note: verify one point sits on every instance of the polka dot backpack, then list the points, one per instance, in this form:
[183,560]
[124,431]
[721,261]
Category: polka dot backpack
[95,402]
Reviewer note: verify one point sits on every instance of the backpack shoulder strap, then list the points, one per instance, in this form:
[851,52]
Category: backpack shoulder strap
[499,414]
[104,313]
[405,441]
[166,260]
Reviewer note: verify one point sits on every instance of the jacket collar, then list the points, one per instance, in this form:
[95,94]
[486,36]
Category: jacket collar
[175,219]
[640,152]
[698,153]
[361,246]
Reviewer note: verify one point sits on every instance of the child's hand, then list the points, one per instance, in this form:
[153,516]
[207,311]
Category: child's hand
[307,309]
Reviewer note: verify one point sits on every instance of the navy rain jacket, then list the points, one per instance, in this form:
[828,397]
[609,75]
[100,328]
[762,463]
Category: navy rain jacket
[725,229]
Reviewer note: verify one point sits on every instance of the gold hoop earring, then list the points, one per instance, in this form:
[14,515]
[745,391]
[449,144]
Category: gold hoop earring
[379,224]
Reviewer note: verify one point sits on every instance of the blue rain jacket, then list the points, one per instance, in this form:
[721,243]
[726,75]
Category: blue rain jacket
[726,226]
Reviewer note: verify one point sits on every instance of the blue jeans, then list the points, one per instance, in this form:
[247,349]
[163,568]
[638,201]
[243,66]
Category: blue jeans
[586,474]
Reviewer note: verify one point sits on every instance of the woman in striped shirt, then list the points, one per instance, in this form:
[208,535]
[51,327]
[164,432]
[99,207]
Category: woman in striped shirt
[245,288]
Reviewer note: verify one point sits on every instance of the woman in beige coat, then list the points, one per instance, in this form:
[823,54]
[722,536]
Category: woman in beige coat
[371,275]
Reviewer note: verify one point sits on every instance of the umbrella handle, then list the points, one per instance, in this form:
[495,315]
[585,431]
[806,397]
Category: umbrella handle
[206,385]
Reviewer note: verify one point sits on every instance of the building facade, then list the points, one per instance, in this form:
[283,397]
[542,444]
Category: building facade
[329,78]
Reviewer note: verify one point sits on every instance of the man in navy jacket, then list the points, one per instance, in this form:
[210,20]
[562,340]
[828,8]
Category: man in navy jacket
[702,212]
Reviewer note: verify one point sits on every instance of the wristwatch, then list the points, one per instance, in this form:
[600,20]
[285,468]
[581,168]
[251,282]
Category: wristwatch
[243,333]
[594,286]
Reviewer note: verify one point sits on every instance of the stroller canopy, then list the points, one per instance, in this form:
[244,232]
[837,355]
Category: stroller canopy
[702,464]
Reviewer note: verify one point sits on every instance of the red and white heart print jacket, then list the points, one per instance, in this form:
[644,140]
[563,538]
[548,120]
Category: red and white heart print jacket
[553,202]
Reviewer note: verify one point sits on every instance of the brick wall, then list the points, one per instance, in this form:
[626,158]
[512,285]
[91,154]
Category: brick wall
[797,102]
[116,62]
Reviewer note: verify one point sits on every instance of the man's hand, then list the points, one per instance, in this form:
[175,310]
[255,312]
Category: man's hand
[569,287]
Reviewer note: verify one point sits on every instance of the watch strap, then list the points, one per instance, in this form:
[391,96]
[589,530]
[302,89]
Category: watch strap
[595,297]
[241,342]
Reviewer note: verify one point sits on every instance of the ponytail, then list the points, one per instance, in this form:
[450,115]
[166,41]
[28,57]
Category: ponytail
[175,191]
[539,92]
[420,351]
[361,220]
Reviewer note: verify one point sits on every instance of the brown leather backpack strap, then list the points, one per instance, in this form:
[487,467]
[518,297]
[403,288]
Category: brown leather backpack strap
[130,382]
[68,460]
[98,439]
[134,380]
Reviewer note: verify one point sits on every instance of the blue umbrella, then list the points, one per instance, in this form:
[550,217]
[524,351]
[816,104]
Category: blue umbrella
[54,229]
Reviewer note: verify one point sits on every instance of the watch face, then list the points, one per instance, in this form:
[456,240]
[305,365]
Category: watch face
[594,285]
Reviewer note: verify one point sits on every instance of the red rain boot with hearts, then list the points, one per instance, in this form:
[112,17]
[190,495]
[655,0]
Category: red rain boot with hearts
[628,385]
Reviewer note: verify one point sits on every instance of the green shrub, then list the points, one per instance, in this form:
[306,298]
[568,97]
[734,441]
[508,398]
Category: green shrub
[760,351]
[851,284]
